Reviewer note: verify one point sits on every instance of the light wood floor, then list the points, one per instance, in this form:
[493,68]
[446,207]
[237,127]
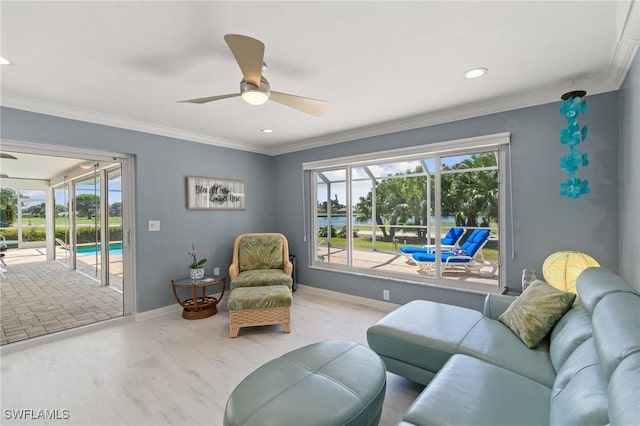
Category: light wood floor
[167,370]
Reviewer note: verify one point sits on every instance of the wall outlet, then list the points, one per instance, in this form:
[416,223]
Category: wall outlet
[385,294]
[216,271]
[154,225]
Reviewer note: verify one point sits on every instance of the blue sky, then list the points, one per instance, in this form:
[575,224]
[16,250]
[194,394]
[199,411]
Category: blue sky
[362,188]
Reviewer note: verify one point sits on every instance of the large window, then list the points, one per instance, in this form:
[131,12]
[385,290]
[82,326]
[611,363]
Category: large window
[388,214]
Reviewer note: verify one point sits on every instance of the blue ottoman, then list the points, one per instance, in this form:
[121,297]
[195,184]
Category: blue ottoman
[327,383]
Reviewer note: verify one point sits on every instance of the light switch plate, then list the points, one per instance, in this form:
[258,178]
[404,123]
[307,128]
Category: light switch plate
[154,225]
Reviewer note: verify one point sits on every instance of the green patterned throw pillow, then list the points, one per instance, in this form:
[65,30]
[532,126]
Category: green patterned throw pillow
[532,315]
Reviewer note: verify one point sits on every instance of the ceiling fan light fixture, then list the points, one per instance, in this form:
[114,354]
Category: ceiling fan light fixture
[475,73]
[255,95]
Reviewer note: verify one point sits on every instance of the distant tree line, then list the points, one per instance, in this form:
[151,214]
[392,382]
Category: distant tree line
[87,205]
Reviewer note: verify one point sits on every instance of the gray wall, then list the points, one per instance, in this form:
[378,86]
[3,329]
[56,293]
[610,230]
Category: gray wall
[545,222]
[630,176]
[162,165]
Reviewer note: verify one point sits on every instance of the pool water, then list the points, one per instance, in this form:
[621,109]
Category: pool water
[91,249]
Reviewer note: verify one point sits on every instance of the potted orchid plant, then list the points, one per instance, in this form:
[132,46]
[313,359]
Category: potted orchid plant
[197,270]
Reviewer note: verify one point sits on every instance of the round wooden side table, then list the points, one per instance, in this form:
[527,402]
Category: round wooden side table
[202,305]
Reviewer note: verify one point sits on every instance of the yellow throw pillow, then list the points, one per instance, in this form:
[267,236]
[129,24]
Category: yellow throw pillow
[532,315]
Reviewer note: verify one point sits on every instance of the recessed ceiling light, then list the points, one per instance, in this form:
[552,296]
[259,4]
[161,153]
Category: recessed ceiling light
[475,73]
[4,61]
[267,130]
[87,165]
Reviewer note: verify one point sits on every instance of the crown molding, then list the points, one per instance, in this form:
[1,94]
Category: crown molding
[621,62]
[63,111]
[478,109]
[619,65]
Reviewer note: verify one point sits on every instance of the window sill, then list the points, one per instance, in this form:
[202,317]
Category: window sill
[449,284]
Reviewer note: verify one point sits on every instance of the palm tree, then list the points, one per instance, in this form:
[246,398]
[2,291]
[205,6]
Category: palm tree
[475,193]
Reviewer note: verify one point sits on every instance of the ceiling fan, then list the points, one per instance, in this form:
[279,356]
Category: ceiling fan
[254,88]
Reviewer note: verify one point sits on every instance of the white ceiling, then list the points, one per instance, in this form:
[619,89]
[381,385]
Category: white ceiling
[383,66]
[38,167]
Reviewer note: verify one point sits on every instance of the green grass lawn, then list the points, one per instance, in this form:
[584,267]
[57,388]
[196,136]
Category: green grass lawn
[63,221]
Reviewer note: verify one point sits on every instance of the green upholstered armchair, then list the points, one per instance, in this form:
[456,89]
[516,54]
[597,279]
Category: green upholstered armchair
[260,282]
[260,259]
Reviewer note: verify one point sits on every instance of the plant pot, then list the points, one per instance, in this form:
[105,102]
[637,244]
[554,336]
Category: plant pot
[197,273]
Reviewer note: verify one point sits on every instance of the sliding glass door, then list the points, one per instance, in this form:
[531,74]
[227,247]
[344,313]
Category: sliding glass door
[87,225]
[113,236]
[62,224]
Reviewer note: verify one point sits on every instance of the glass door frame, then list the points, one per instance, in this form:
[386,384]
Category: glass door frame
[127,163]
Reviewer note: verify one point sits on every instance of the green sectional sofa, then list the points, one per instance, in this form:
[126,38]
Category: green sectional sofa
[477,371]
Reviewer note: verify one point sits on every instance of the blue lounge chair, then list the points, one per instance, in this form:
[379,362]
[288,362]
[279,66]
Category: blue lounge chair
[448,243]
[465,255]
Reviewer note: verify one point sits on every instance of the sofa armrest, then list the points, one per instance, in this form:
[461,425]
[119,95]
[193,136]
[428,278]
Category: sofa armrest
[496,304]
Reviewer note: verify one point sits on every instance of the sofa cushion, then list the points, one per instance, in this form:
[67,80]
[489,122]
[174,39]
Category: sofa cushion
[616,329]
[496,304]
[535,312]
[491,341]
[579,394]
[624,392]
[569,332]
[421,334]
[468,391]
[261,277]
[595,283]
[272,296]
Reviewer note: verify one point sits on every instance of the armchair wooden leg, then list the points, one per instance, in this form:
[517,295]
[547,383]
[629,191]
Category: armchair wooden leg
[286,327]
[233,331]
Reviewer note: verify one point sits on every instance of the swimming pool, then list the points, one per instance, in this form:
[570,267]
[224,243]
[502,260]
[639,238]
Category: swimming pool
[91,249]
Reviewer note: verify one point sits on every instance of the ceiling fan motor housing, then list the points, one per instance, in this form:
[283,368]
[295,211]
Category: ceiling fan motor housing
[253,94]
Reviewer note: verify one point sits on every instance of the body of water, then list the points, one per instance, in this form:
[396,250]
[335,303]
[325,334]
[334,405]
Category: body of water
[342,221]
[91,249]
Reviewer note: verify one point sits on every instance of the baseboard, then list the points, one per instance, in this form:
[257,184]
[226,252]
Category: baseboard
[378,305]
[154,313]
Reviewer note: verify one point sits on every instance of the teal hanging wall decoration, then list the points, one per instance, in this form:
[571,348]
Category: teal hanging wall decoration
[572,106]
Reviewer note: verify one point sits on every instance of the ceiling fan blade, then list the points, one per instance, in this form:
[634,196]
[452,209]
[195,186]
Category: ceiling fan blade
[310,106]
[7,156]
[210,99]
[249,54]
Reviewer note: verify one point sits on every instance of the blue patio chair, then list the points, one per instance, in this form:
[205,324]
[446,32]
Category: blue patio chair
[464,255]
[447,244]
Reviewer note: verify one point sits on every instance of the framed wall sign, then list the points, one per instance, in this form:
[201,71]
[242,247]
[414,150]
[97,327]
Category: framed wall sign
[212,193]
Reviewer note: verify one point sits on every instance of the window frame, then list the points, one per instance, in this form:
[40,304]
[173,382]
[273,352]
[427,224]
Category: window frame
[496,142]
